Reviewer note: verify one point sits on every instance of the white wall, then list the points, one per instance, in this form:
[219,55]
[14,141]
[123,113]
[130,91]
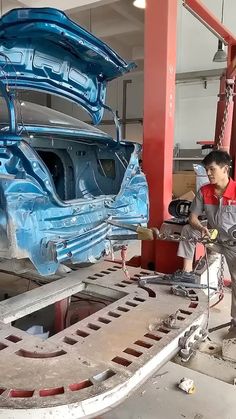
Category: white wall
[195,113]
[194,118]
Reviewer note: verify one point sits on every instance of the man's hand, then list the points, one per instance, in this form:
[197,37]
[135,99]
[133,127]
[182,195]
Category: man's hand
[205,232]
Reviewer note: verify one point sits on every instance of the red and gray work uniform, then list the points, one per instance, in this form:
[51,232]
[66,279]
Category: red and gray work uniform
[221,215]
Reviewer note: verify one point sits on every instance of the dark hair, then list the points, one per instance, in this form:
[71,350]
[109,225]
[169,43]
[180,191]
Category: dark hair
[222,158]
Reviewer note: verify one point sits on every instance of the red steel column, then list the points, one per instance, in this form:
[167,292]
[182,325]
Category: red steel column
[233,138]
[232,58]
[159,109]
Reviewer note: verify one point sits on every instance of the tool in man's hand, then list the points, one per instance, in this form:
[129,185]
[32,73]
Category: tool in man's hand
[145,233]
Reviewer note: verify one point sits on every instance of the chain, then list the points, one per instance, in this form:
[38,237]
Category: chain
[177,238]
[193,240]
[221,276]
[228,97]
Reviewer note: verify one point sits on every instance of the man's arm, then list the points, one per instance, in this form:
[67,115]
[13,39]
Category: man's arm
[197,225]
[196,209]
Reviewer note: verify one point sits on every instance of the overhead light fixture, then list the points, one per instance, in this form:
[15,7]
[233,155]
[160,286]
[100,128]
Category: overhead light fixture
[141,4]
[220,55]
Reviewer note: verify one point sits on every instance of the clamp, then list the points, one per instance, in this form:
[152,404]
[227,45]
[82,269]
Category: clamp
[181,291]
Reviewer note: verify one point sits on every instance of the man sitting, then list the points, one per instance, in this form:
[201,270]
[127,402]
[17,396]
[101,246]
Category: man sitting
[218,201]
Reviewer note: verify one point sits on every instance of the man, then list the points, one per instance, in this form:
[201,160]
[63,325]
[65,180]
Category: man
[218,201]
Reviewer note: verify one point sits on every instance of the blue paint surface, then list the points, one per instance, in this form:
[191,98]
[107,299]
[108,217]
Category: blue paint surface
[61,183]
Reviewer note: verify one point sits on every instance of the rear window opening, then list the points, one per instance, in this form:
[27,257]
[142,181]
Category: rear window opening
[82,170]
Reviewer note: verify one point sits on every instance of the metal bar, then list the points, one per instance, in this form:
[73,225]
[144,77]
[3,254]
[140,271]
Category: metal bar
[124,106]
[127,121]
[19,306]
[233,138]
[231,70]
[159,109]
[221,326]
[202,13]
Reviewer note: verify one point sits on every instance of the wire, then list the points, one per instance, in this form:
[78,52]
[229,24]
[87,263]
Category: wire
[222,11]
[220,283]
[208,287]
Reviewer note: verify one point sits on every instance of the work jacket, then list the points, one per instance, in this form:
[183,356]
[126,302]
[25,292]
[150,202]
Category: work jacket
[220,212]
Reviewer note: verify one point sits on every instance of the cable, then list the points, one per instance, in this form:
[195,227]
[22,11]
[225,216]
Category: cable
[220,283]
[208,287]
[221,292]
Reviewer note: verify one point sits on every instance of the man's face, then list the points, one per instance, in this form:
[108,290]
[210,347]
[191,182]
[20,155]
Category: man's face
[216,173]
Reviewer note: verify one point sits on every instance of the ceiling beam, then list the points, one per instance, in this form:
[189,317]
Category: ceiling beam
[67,5]
[127,11]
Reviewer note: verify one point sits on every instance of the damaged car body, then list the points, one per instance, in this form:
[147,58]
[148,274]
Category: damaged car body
[61,180]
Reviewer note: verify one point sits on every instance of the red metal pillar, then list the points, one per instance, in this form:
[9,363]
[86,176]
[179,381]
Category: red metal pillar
[61,309]
[232,51]
[233,138]
[159,109]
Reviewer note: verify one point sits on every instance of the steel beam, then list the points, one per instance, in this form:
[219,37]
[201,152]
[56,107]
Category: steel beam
[202,13]
[159,109]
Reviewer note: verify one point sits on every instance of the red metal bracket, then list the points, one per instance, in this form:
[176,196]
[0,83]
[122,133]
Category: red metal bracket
[202,13]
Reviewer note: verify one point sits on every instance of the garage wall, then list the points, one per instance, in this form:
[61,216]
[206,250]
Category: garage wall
[195,113]
[194,118]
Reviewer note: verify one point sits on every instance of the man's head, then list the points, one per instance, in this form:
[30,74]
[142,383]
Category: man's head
[217,165]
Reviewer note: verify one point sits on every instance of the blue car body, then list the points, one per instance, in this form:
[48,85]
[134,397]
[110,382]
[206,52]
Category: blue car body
[61,181]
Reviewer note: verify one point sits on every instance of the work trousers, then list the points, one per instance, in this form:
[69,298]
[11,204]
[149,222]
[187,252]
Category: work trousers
[186,250]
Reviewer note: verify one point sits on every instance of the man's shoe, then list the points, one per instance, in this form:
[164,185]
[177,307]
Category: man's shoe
[182,276]
[231,334]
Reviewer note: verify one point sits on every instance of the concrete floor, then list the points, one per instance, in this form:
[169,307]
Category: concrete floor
[160,397]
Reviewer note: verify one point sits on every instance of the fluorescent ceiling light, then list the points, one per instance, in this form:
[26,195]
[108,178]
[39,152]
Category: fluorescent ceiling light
[140,3]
